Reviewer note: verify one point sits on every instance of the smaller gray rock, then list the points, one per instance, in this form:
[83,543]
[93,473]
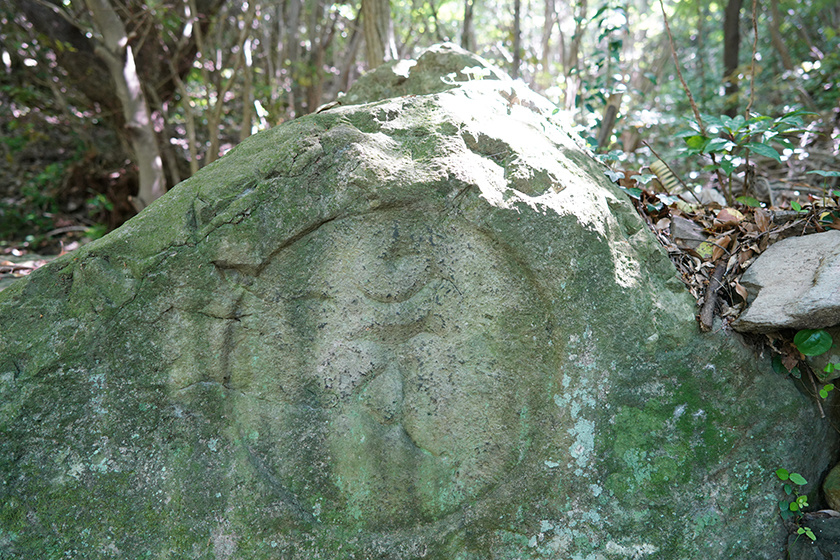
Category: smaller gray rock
[795,284]
[686,233]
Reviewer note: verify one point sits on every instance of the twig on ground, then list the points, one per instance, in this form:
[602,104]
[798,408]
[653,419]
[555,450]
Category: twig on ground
[707,312]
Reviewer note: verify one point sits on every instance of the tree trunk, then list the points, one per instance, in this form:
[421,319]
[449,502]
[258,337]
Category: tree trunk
[608,122]
[731,46]
[701,50]
[517,38]
[468,32]
[320,37]
[349,60]
[189,123]
[379,40]
[247,91]
[119,58]
[549,21]
[776,35]
[292,47]
[223,85]
[571,57]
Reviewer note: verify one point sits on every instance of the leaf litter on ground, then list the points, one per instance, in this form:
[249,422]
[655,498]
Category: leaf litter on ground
[712,243]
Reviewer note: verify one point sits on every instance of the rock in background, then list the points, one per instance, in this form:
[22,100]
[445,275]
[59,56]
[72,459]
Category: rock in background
[794,284]
[426,327]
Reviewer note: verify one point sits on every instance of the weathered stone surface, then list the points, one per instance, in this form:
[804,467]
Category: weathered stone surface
[421,328]
[794,284]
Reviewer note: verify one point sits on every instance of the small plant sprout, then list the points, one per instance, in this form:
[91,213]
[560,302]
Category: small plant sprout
[825,175]
[807,532]
[826,388]
[791,508]
[829,215]
[793,483]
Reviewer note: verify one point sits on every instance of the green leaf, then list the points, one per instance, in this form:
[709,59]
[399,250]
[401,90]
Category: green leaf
[778,366]
[786,514]
[665,199]
[749,201]
[784,142]
[633,192]
[797,478]
[783,474]
[712,120]
[764,150]
[829,368]
[686,133]
[614,176]
[788,489]
[718,145]
[793,506]
[822,173]
[697,142]
[644,178]
[827,217]
[796,206]
[795,372]
[727,166]
[813,342]
[760,124]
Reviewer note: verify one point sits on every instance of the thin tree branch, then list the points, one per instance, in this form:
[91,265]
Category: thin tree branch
[752,62]
[690,97]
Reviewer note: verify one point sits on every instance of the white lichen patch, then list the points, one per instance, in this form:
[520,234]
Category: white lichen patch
[634,551]
[584,434]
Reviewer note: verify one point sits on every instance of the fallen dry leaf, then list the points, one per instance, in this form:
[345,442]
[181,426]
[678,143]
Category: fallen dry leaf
[720,246]
[762,219]
[728,217]
[740,290]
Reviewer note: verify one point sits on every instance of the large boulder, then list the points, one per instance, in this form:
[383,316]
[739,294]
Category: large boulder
[426,327]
